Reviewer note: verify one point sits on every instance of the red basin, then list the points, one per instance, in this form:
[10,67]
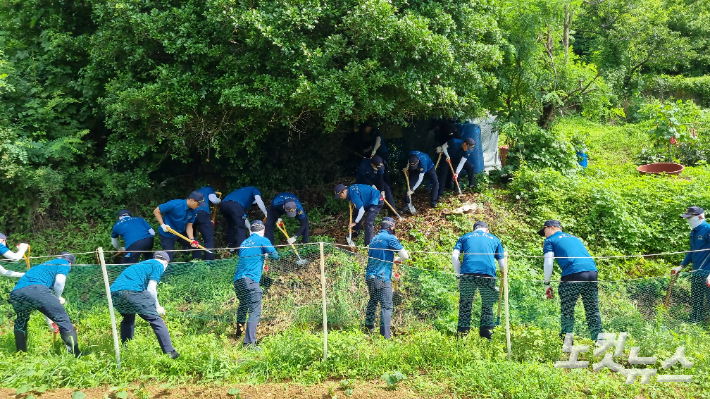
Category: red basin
[661,167]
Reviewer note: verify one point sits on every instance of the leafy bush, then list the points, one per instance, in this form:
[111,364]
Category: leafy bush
[538,148]
[691,88]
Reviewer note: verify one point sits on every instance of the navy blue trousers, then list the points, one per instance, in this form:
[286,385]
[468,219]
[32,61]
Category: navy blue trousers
[38,297]
[130,303]
[235,215]
[145,244]
[204,225]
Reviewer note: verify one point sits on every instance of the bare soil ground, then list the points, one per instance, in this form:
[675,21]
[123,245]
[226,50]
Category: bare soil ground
[326,390]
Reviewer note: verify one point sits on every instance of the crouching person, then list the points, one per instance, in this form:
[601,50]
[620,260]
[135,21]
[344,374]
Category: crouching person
[135,291]
[34,292]
[252,253]
[379,276]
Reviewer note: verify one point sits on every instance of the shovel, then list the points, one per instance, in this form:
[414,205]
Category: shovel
[437,161]
[170,230]
[27,257]
[456,180]
[350,236]
[500,297]
[283,230]
[395,212]
[396,295]
[214,210]
[409,205]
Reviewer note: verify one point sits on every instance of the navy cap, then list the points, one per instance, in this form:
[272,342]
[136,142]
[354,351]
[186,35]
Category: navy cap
[376,160]
[2,236]
[480,225]
[549,223]
[471,142]
[67,256]
[339,189]
[387,223]
[413,162]
[197,196]
[290,208]
[124,212]
[161,255]
[692,211]
[257,225]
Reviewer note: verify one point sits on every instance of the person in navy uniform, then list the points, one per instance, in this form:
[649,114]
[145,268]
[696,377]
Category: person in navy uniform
[421,165]
[203,223]
[700,258]
[371,172]
[137,235]
[252,254]
[460,151]
[135,291]
[234,207]
[6,253]
[378,276]
[365,199]
[579,277]
[41,289]
[289,205]
[480,250]
[178,215]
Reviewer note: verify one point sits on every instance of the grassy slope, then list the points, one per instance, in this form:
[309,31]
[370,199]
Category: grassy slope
[434,361]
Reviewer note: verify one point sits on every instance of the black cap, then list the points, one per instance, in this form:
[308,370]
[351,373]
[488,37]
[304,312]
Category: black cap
[67,256]
[161,255]
[692,211]
[257,225]
[2,236]
[387,223]
[124,212]
[549,223]
[339,189]
[290,208]
[480,225]
[471,142]
[413,162]
[376,160]
[197,196]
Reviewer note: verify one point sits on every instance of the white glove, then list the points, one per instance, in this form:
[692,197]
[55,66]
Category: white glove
[279,221]
[374,186]
[549,292]
[676,269]
[707,282]
[160,310]
[247,224]
[22,248]
[122,249]
[439,150]
[291,240]
[410,192]
[165,227]
[382,194]
[62,301]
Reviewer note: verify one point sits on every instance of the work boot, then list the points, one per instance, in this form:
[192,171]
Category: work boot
[252,346]
[486,332]
[21,341]
[240,330]
[174,354]
[462,332]
[370,330]
[432,204]
[385,331]
[71,341]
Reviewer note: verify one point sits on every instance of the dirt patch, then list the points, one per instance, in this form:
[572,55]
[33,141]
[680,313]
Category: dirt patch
[326,390]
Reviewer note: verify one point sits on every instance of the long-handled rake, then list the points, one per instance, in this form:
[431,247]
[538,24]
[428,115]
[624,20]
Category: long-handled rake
[281,226]
[171,230]
[409,204]
[670,288]
[456,180]
[350,229]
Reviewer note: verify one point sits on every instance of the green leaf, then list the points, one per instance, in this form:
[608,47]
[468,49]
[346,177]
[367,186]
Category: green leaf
[42,389]
[22,389]
[78,395]
[122,394]
[233,391]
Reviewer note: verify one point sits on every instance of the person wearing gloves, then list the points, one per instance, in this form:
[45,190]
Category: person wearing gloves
[289,205]
[252,254]
[137,235]
[41,289]
[5,252]
[178,215]
[480,250]
[203,223]
[371,172]
[420,165]
[135,291]
[579,277]
[234,207]
[378,276]
[365,199]
[700,258]
[457,153]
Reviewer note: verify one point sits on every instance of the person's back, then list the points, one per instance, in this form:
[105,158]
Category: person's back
[570,253]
